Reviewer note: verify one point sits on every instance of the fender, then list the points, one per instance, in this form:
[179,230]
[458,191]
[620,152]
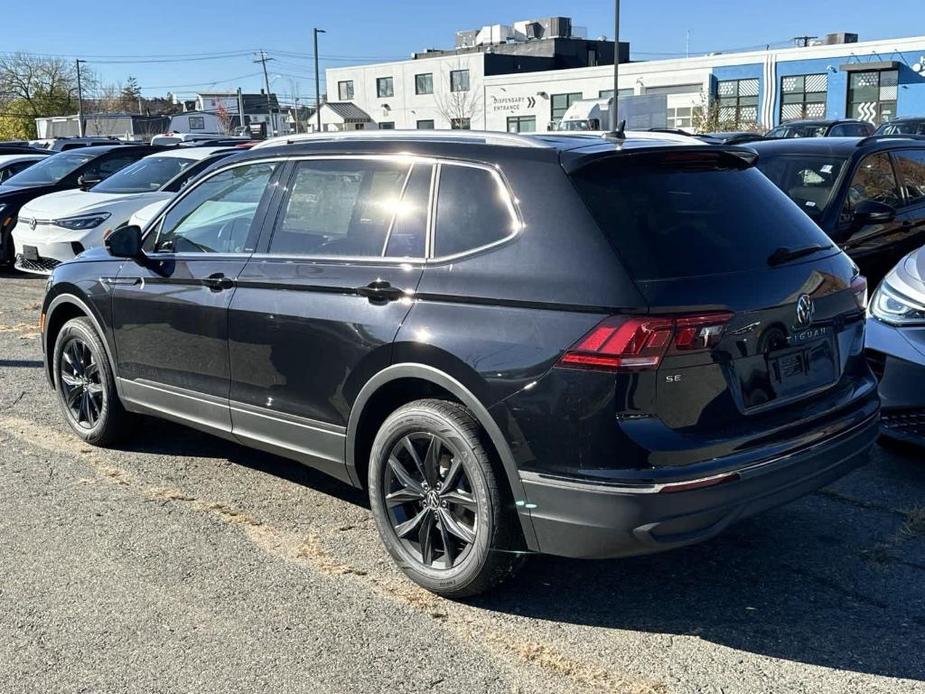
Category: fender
[65,298]
[439,378]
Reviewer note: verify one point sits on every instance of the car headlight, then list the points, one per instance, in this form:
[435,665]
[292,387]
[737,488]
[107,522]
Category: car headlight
[894,308]
[87,221]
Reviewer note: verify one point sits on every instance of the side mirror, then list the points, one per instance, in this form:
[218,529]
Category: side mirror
[87,182]
[873,212]
[124,242]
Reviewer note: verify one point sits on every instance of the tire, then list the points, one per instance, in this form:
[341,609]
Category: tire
[86,387]
[454,539]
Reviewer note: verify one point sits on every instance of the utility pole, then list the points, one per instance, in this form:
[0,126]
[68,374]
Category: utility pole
[315,33]
[616,66]
[266,83]
[240,108]
[80,101]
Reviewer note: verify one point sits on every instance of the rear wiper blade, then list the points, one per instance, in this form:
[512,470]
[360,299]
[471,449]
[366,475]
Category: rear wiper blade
[785,255]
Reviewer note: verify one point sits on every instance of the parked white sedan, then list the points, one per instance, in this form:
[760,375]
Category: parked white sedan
[62,225]
[12,164]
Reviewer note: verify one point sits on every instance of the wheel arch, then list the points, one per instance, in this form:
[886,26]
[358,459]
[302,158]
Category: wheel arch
[60,310]
[439,381]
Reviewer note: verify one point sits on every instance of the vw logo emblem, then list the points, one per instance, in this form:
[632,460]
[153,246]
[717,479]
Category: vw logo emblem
[806,311]
[33,223]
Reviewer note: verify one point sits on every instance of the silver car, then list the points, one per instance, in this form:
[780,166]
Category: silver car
[895,345]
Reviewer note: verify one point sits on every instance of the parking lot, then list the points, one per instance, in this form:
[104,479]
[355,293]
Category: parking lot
[183,563]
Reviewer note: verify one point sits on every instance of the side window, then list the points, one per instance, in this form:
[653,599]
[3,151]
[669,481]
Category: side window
[910,167]
[473,210]
[406,239]
[873,180]
[216,216]
[340,208]
[106,166]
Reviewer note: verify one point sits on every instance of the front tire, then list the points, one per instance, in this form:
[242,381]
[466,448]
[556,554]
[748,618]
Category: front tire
[86,386]
[437,501]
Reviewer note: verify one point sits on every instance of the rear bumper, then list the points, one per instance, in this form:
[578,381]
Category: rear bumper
[578,519]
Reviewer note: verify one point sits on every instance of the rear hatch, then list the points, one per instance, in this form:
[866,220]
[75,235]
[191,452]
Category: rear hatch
[762,317]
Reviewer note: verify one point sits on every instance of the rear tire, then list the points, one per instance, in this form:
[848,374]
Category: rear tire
[438,503]
[86,386]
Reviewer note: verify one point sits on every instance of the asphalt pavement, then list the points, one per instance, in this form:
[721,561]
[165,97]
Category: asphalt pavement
[183,563]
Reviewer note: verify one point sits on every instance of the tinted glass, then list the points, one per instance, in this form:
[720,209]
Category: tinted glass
[340,208]
[669,222]
[910,166]
[873,180]
[473,210]
[144,175]
[106,166]
[406,239]
[52,169]
[216,216]
[808,180]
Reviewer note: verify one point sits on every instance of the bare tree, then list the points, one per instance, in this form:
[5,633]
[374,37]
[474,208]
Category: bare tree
[459,106]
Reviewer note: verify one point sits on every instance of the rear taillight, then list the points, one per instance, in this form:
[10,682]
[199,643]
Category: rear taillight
[623,343]
[859,289]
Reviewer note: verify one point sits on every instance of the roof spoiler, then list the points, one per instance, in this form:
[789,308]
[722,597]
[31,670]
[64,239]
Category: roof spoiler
[892,136]
[734,157]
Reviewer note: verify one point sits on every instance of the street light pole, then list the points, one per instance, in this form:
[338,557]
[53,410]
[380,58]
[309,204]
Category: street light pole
[315,33]
[616,66]
[80,101]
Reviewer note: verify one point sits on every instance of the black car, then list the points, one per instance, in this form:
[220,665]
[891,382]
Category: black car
[841,127]
[80,168]
[868,195]
[902,126]
[568,345]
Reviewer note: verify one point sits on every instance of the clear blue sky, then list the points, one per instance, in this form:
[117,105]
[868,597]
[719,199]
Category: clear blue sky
[363,31]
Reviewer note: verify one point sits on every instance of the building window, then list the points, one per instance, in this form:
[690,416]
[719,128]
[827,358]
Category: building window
[424,84]
[345,90]
[425,125]
[459,80]
[384,87]
[197,123]
[560,103]
[387,125]
[738,103]
[608,93]
[872,95]
[461,123]
[680,118]
[803,96]
[592,57]
[521,124]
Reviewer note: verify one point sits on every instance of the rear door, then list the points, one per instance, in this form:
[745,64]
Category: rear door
[707,239]
[170,312]
[318,306]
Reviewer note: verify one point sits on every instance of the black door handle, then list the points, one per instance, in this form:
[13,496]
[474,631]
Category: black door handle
[380,291]
[218,282]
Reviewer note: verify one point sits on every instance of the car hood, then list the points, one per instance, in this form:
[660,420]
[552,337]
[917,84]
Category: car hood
[70,203]
[908,277]
[7,191]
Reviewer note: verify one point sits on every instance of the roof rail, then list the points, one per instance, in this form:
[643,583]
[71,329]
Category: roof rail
[894,136]
[473,136]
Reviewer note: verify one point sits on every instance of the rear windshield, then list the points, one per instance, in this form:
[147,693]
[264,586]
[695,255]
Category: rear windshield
[667,222]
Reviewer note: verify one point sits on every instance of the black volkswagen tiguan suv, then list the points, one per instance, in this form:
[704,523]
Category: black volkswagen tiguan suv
[568,345]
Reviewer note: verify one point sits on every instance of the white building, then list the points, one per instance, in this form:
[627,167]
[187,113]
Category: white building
[836,78]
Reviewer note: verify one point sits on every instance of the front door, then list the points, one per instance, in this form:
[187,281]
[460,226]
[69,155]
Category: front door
[317,308]
[170,311]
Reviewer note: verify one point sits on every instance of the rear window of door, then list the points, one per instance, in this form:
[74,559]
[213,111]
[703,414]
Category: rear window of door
[354,208]
[693,217]
[216,216]
[910,167]
[474,210]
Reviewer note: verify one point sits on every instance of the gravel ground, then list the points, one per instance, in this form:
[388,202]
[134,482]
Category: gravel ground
[183,563]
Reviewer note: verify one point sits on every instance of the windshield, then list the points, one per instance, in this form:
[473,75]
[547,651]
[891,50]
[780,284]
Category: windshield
[907,128]
[668,221]
[144,176]
[786,131]
[51,170]
[808,180]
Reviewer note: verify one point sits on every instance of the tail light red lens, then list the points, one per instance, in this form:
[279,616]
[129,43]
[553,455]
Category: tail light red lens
[859,289]
[640,342]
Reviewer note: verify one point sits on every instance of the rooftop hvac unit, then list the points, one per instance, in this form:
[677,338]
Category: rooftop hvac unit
[841,37]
